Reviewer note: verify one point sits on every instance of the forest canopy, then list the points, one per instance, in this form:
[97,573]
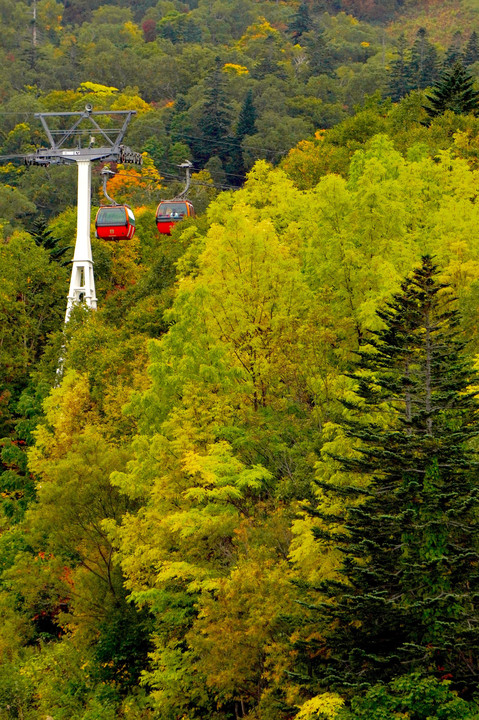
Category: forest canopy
[246,485]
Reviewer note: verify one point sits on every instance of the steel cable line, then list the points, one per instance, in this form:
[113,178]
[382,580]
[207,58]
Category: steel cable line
[229,174]
[13,157]
[225,142]
[170,176]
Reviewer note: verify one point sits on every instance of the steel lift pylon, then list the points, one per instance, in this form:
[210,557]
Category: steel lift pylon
[77,144]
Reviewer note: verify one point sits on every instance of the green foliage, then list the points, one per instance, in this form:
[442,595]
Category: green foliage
[408,530]
[453,91]
[31,304]
[413,695]
[154,544]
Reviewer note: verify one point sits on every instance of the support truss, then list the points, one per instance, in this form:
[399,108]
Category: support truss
[78,144]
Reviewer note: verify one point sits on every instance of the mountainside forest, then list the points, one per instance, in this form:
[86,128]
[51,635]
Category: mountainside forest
[247,485]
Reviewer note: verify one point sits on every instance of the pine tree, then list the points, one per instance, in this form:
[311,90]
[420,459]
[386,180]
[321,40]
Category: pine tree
[423,67]
[454,52]
[319,54]
[247,117]
[44,238]
[246,126]
[214,123]
[408,594]
[471,53]
[453,91]
[399,79]
[300,22]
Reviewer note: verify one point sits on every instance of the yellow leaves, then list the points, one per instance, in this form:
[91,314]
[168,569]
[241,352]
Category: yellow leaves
[191,574]
[234,635]
[90,87]
[68,409]
[233,69]
[125,267]
[311,559]
[131,102]
[131,32]
[258,31]
[219,476]
[253,297]
[326,705]
[49,14]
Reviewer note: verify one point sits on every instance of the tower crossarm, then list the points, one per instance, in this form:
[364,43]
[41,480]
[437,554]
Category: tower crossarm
[77,142]
[44,156]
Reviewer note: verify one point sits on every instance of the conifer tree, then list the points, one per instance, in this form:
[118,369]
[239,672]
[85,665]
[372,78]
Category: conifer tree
[247,117]
[246,126]
[44,238]
[399,79]
[454,53]
[471,53]
[453,91]
[407,597]
[423,67]
[215,120]
[300,22]
[319,53]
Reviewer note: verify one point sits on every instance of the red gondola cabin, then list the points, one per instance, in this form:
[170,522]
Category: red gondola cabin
[170,212]
[115,222]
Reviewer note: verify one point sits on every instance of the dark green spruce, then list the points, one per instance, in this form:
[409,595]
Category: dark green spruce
[399,83]
[471,53]
[408,595]
[423,68]
[454,52]
[300,22]
[453,91]
[214,122]
[246,126]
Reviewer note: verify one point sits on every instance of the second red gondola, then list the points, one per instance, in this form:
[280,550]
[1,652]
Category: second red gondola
[115,222]
[170,212]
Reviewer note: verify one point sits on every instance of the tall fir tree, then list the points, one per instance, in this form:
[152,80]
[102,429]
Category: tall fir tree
[319,54]
[300,22]
[424,65]
[471,53]
[454,51]
[215,120]
[44,238]
[399,78]
[247,117]
[453,91]
[407,597]
[246,126]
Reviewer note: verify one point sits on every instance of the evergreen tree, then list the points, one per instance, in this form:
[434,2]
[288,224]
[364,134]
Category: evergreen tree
[453,91]
[246,126]
[319,54]
[399,79]
[247,118]
[300,22]
[408,594]
[454,52]
[267,64]
[471,53]
[214,123]
[423,67]
[44,238]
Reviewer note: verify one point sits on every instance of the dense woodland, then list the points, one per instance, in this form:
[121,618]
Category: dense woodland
[247,486]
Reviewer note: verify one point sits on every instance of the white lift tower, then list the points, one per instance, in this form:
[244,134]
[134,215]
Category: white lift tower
[77,144]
